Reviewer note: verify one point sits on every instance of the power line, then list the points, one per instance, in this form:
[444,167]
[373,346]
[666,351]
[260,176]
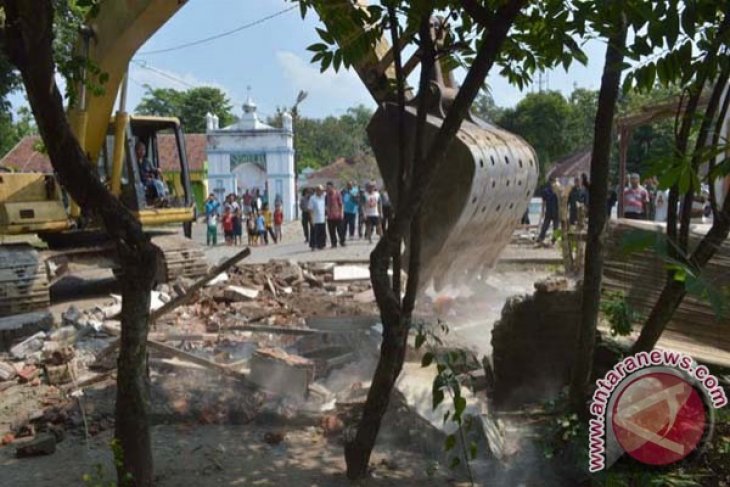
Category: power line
[218,36]
[145,65]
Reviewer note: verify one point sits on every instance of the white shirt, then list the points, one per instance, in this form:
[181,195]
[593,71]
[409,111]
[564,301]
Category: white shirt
[661,203]
[371,204]
[316,206]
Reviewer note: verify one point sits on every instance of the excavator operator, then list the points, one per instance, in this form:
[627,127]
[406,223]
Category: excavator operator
[150,175]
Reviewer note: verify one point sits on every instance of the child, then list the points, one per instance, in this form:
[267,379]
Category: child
[212,221]
[261,228]
[253,235]
[268,220]
[228,225]
[278,220]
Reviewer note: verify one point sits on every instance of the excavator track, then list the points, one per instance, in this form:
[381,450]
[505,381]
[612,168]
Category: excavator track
[24,284]
[182,257]
[25,278]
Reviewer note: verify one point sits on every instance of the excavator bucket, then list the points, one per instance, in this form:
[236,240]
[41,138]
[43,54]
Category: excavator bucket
[478,197]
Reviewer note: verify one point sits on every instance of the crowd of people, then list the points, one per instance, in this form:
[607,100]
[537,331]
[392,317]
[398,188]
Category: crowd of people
[640,202]
[340,212]
[250,211]
[648,202]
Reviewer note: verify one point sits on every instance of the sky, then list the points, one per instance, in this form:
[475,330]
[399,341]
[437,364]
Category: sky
[271,58]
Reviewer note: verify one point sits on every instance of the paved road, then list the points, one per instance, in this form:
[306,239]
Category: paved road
[292,247]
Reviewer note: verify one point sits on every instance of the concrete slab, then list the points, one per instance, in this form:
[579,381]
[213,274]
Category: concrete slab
[240,293]
[351,273]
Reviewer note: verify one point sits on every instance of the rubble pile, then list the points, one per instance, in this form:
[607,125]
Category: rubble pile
[240,345]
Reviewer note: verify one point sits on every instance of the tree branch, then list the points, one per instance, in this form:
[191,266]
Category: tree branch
[401,137]
[715,142]
[477,12]
[697,156]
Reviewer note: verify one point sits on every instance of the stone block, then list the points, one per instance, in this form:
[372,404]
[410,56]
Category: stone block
[239,293]
[28,346]
[279,372]
[351,273]
[16,327]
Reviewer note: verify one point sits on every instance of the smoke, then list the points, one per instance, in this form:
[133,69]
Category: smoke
[471,309]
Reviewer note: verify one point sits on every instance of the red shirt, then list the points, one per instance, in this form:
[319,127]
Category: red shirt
[278,217]
[334,205]
[228,223]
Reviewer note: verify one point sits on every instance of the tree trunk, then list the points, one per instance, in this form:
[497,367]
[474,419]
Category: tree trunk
[131,429]
[390,364]
[396,314]
[600,156]
[27,37]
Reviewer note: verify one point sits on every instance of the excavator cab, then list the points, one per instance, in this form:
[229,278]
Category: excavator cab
[154,177]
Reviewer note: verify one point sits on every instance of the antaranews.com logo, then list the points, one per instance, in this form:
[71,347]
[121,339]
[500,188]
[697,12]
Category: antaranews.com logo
[655,406]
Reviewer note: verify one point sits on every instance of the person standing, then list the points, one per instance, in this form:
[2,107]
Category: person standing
[212,208]
[361,220]
[373,211]
[350,200]
[317,209]
[261,228]
[550,211]
[278,221]
[661,205]
[636,199]
[269,223]
[237,221]
[305,214]
[246,200]
[387,210]
[333,202]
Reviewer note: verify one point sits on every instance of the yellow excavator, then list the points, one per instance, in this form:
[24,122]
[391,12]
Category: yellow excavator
[486,183]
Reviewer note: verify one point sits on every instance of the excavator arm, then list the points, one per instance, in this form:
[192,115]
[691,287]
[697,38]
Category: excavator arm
[118,30]
[486,183]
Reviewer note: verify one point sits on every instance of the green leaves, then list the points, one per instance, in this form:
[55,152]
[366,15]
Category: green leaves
[190,106]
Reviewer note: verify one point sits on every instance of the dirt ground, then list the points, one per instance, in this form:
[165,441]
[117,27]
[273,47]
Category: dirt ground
[215,455]
[210,429]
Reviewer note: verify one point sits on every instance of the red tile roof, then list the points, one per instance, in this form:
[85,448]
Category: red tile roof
[361,170]
[25,157]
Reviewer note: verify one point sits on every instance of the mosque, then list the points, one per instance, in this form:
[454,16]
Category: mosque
[251,155]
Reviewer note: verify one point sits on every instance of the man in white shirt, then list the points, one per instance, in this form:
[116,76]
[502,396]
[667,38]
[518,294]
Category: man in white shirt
[373,211]
[318,239]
